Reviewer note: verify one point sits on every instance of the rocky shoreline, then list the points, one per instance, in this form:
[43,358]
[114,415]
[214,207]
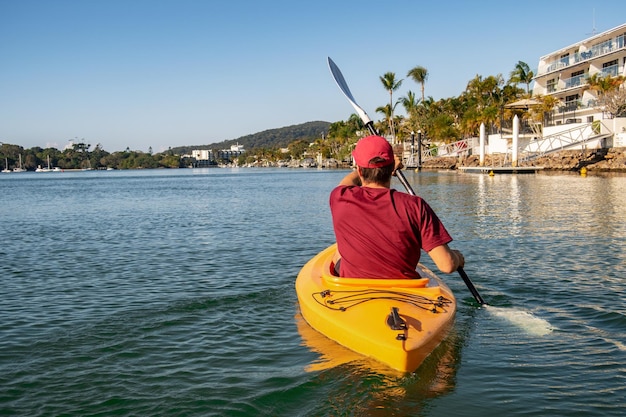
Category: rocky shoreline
[600,160]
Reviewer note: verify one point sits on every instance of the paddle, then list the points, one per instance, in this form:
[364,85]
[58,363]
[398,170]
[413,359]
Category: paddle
[343,86]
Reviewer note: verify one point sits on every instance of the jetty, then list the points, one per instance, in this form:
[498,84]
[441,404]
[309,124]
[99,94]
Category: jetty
[500,170]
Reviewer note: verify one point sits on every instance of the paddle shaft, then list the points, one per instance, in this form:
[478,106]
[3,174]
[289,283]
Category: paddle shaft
[471,286]
[343,86]
[468,282]
[398,173]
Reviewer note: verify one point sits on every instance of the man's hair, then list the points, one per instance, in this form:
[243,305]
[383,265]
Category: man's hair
[377,175]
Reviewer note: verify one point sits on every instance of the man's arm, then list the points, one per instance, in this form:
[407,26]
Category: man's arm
[447,260]
[351,179]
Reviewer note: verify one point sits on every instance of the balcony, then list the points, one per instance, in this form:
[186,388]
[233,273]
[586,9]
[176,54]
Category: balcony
[595,51]
[575,81]
[561,63]
[570,106]
[612,70]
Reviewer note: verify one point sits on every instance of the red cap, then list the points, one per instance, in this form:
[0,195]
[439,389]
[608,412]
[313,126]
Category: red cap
[371,147]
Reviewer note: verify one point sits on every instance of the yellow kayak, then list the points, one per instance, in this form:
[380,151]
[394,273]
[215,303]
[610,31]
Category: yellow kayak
[395,321]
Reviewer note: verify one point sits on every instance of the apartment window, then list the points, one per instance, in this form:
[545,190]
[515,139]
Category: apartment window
[571,102]
[551,85]
[575,80]
[610,68]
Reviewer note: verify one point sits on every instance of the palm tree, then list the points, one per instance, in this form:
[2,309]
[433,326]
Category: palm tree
[522,74]
[541,112]
[486,91]
[409,102]
[355,121]
[387,112]
[484,98]
[611,96]
[602,84]
[391,84]
[411,106]
[455,107]
[419,75]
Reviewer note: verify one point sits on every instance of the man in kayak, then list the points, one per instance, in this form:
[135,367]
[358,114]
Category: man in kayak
[380,231]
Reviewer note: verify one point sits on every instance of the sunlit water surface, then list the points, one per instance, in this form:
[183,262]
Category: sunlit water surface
[171,292]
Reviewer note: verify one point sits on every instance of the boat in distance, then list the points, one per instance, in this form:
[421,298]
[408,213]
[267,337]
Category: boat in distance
[398,322]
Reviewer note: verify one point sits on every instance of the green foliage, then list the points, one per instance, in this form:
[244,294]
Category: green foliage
[443,129]
[80,157]
[445,120]
[298,148]
[522,74]
[272,138]
[264,145]
[419,75]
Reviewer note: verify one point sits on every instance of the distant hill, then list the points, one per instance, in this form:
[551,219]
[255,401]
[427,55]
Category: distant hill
[272,138]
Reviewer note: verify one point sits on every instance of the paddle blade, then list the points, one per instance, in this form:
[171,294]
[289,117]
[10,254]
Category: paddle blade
[343,86]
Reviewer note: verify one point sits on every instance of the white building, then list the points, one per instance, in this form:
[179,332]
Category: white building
[564,73]
[577,122]
[201,154]
[207,157]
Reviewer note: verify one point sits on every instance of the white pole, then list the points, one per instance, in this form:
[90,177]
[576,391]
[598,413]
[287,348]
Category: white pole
[515,140]
[482,145]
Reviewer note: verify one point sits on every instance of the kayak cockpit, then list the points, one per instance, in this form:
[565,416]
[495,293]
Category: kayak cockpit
[331,277]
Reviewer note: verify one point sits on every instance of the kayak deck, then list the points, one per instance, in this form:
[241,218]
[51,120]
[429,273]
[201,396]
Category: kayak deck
[395,321]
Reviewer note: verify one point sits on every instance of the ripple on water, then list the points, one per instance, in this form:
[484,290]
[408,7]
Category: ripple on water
[171,293]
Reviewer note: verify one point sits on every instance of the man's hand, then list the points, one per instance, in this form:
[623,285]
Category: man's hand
[398,164]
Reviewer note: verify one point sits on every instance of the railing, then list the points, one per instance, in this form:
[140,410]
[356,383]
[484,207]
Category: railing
[595,51]
[611,70]
[526,126]
[561,63]
[570,106]
[448,150]
[580,80]
[602,48]
[564,140]
[535,149]
[575,81]
[551,87]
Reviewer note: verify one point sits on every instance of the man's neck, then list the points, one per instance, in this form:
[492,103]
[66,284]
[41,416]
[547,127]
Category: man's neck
[374,184]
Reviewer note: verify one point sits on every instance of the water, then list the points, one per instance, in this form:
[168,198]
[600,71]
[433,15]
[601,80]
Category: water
[171,292]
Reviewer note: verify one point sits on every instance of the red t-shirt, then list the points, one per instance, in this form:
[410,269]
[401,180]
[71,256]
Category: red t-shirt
[381,231]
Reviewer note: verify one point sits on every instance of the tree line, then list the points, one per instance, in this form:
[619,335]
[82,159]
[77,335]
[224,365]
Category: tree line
[446,120]
[81,156]
[483,101]
[451,119]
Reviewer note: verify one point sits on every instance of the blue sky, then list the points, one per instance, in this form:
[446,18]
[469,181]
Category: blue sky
[163,73]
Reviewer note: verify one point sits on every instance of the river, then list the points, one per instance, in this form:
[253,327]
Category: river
[171,293]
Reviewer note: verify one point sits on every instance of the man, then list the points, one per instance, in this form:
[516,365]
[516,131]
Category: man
[380,231]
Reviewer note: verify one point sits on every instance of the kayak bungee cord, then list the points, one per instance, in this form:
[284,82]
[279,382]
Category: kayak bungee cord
[348,299]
